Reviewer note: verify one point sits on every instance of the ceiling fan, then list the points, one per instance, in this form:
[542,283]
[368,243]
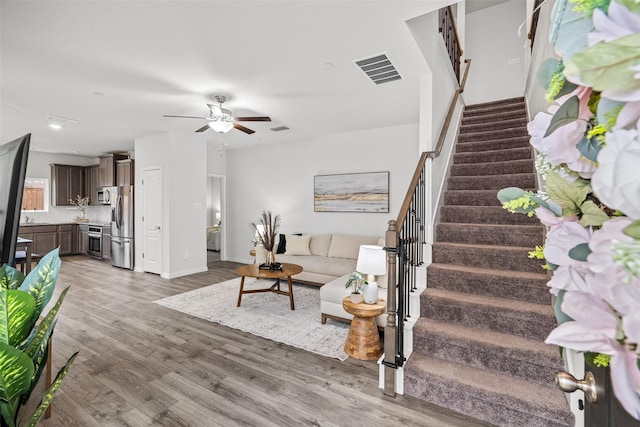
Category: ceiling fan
[221,119]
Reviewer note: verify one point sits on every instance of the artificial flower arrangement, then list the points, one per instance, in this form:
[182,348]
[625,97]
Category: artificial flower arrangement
[588,154]
[80,202]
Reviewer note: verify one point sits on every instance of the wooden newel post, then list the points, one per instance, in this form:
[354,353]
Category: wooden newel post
[391,330]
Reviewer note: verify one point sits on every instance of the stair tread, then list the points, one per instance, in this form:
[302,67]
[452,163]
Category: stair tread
[497,226]
[492,338]
[506,175]
[477,246]
[494,383]
[489,271]
[494,303]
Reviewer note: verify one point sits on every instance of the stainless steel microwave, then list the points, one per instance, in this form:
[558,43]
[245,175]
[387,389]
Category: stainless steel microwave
[104,196]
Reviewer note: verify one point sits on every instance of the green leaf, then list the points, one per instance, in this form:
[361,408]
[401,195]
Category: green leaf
[45,328]
[553,207]
[16,310]
[568,195]
[589,148]
[606,65]
[48,395]
[580,252]
[41,281]
[546,72]
[561,317]
[567,113]
[568,30]
[633,229]
[592,215]
[510,193]
[10,278]
[16,370]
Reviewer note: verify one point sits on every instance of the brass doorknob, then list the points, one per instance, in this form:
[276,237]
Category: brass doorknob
[568,383]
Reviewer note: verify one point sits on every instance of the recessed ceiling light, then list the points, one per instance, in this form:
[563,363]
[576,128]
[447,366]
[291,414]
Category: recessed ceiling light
[98,93]
[328,65]
[55,126]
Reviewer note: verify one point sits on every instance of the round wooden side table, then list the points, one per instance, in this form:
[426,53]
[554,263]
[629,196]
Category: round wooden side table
[363,341]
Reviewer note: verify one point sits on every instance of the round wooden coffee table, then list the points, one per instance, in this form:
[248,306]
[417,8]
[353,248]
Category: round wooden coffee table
[252,270]
[363,341]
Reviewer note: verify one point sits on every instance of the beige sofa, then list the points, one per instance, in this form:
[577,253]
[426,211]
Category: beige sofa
[327,261]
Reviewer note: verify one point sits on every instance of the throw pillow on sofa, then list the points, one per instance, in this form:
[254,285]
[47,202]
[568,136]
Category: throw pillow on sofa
[298,245]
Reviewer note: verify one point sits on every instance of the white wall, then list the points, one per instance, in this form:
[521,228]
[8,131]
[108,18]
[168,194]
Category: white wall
[38,166]
[280,178]
[542,50]
[183,160]
[491,42]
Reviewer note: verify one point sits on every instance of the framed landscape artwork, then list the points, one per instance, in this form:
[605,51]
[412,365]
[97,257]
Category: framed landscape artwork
[353,192]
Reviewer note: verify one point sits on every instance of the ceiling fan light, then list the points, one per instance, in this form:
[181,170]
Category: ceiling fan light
[221,126]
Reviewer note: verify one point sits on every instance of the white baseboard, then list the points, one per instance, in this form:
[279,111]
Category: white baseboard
[173,275]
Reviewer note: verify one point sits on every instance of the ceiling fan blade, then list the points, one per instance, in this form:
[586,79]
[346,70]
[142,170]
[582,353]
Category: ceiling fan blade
[203,128]
[243,129]
[185,117]
[253,119]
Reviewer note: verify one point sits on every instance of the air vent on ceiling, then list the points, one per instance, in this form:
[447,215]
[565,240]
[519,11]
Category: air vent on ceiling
[279,128]
[379,69]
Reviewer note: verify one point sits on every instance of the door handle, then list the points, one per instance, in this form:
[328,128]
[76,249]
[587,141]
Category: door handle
[568,383]
[157,227]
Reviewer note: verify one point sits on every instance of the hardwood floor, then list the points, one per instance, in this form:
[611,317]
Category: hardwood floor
[141,364]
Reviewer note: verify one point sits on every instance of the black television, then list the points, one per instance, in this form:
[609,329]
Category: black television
[13,167]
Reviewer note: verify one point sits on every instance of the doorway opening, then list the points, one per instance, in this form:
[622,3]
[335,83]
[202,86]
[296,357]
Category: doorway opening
[215,218]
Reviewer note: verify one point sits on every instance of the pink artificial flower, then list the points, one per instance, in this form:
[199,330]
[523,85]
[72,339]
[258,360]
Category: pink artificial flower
[594,329]
[616,182]
[560,146]
[617,22]
[569,279]
[561,239]
[549,219]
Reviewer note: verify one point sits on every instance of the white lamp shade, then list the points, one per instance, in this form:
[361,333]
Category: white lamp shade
[372,260]
[221,126]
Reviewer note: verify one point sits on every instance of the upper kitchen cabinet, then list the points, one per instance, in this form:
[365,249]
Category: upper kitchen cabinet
[91,177]
[124,172]
[107,169]
[67,182]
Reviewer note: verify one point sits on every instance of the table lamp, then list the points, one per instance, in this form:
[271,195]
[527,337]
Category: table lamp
[372,261]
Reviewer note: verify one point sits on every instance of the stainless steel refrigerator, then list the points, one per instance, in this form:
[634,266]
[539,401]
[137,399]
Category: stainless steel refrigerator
[122,227]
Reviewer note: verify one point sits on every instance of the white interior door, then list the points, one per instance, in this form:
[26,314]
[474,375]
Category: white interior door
[152,220]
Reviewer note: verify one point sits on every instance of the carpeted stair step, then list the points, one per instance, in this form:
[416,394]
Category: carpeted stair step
[498,182]
[471,197]
[512,258]
[519,318]
[493,168]
[495,106]
[515,123]
[471,157]
[523,286]
[489,351]
[490,135]
[498,116]
[483,215]
[492,397]
[490,234]
[497,143]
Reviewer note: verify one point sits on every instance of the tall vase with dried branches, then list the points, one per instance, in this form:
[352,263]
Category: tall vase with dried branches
[266,230]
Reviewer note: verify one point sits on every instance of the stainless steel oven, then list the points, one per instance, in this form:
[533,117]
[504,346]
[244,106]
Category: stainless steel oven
[94,245]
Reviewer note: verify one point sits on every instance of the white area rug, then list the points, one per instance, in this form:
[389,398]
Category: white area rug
[267,315]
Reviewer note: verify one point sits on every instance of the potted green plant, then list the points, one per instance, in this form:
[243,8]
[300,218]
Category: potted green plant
[25,335]
[356,281]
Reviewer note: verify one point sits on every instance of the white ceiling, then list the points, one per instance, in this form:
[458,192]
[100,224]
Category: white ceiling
[117,66]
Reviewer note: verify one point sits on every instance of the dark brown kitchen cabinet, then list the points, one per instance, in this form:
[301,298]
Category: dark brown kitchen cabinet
[91,183]
[67,182]
[44,237]
[68,239]
[107,169]
[124,172]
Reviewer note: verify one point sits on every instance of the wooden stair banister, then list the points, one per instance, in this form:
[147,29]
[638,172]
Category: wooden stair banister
[404,245]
